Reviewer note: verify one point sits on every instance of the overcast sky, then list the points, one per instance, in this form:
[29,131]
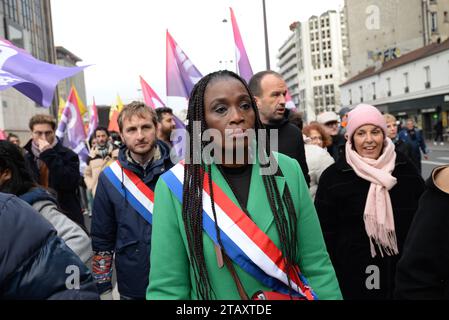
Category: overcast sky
[125,39]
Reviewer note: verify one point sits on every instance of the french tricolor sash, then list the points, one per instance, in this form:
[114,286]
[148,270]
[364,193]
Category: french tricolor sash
[138,194]
[245,243]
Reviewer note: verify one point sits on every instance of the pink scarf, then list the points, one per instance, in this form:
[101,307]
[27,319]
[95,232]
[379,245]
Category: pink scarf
[378,214]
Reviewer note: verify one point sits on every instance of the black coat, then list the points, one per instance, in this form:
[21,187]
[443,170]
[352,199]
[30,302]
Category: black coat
[64,177]
[34,261]
[291,143]
[423,271]
[340,203]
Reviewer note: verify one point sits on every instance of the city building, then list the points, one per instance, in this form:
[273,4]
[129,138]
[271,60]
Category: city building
[27,24]
[382,30]
[313,63]
[67,59]
[415,85]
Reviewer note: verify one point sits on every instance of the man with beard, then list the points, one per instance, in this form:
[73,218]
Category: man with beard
[166,124]
[122,211]
[270,90]
[101,156]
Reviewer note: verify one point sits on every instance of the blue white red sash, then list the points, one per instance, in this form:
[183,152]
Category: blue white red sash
[244,242]
[138,194]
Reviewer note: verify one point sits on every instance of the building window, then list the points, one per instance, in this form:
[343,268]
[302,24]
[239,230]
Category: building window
[361,93]
[350,96]
[434,21]
[10,9]
[406,88]
[374,90]
[428,77]
[446,17]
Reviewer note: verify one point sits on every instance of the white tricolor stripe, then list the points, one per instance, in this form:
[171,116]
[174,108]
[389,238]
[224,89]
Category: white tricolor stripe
[131,187]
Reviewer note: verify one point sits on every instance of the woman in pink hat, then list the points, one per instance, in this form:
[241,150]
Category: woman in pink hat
[366,202]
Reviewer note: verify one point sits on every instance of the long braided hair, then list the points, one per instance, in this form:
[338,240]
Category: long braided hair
[11,158]
[192,207]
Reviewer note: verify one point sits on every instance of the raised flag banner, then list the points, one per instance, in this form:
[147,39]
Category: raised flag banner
[152,99]
[182,75]
[61,108]
[113,115]
[93,120]
[71,130]
[34,78]
[150,96]
[245,70]
[81,105]
[289,104]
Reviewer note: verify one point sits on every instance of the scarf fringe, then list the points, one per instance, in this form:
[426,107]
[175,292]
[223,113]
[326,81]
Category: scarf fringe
[385,239]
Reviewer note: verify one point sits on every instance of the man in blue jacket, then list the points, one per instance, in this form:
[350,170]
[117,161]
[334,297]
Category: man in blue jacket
[413,136]
[35,263]
[122,210]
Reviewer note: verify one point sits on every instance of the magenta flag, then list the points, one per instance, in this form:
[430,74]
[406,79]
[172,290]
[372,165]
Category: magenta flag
[150,96]
[182,75]
[245,70]
[34,78]
[152,100]
[93,121]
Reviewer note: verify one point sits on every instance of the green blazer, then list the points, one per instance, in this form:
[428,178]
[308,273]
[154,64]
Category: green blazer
[171,276]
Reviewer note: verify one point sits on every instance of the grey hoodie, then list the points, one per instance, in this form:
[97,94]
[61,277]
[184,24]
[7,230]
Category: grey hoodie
[72,234]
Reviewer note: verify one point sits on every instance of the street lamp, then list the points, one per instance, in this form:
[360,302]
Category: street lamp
[267,51]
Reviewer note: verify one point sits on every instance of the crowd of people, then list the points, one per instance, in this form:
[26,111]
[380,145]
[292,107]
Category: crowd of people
[345,214]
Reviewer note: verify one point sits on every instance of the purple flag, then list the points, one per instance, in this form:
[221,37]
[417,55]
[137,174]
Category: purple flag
[93,122]
[181,73]
[71,130]
[245,70]
[34,78]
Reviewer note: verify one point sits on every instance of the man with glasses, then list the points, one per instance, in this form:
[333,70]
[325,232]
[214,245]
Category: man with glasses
[54,166]
[329,120]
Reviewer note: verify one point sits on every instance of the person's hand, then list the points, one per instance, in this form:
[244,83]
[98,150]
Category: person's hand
[43,145]
[426,157]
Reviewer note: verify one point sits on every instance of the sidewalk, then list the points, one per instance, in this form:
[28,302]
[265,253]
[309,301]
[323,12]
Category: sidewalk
[438,147]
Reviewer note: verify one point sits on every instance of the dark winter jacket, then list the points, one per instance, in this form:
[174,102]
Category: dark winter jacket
[118,227]
[35,264]
[423,271]
[64,177]
[340,203]
[416,140]
[337,148]
[291,143]
[404,148]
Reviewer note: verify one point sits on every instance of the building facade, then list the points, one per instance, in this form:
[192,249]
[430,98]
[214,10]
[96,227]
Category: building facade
[67,59]
[313,63]
[27,24]
[416,85]
[382,30]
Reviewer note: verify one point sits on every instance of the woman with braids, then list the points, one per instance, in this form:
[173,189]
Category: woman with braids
[267,238]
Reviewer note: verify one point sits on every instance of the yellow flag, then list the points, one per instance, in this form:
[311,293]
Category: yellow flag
[81,104]
[61,107]
[119,104]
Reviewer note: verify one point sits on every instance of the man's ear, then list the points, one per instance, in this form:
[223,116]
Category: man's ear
[6,175]
[257,101]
